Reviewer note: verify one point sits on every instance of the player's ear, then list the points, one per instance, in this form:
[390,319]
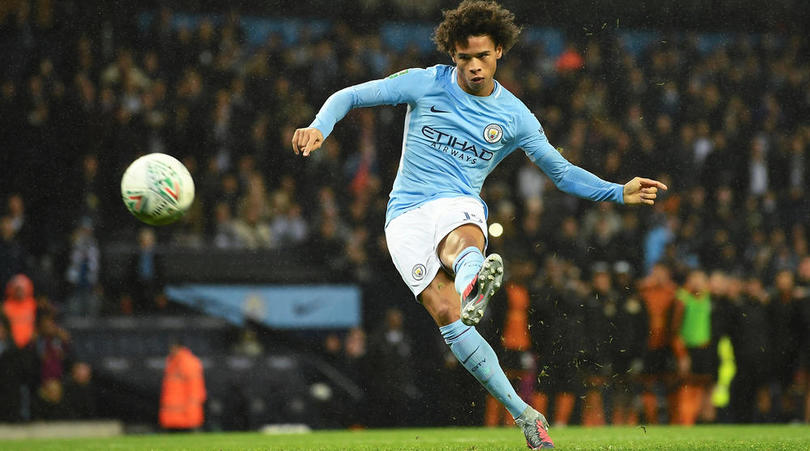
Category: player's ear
[498,52]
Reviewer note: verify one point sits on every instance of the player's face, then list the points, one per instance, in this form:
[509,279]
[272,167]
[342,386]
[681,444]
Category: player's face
[476,61]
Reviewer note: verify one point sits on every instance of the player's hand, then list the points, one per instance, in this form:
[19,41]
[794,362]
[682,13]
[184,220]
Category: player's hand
[642,191]
[305,140]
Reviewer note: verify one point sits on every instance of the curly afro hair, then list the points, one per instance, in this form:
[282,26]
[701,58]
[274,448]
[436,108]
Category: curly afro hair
[476,18]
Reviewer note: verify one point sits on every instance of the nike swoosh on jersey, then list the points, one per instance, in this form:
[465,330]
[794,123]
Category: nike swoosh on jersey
[434,110]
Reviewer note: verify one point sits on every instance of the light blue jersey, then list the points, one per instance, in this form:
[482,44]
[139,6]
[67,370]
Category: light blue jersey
[453,139]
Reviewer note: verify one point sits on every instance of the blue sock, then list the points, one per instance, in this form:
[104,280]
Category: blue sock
[477,356]
[466,266]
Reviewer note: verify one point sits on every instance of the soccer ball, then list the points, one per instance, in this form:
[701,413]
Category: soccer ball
[157,189]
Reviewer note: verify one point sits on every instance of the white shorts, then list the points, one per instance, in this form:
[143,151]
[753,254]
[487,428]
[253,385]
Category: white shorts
[414,236]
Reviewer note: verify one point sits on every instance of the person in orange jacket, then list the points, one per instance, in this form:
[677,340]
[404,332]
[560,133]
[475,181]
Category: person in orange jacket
[657,291]
[20,308]
[183,395]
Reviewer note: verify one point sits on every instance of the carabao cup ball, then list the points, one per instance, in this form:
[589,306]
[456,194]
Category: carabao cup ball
[157,189]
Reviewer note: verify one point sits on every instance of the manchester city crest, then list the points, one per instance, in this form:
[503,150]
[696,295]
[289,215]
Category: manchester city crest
[418,271]
[493,133]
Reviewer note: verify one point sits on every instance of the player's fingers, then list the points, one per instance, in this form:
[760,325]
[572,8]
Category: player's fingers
[295,140]
[305,144]
[303,139]
[651,182]
[313,143]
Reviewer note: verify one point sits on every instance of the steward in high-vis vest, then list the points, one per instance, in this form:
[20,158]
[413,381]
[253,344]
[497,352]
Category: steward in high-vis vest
[181,402]
[20,308]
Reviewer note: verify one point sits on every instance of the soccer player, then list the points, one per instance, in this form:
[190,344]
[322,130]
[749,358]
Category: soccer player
[460,123]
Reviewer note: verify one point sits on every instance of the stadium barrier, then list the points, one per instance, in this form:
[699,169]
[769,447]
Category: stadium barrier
[245,392]
[62,429]
[276,306]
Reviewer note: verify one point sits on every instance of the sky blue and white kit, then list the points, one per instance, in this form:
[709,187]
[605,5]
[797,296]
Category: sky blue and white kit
[453,139]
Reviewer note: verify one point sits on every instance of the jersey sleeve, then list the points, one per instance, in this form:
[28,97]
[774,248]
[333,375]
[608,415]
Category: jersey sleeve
[406,86]
[566,176]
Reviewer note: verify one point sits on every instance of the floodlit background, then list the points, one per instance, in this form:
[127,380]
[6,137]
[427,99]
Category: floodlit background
[278,279]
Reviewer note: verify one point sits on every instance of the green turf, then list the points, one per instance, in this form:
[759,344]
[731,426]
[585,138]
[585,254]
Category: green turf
[653,437]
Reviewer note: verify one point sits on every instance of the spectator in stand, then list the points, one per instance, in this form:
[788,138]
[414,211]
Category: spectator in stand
[252,231]
[358,366]
[53,349]
[725,290]
[751,338]
[183,392]
[569,243]
[803,292]
[224,232]
[392,388]
[658,238]
[20,308]
[601,307]
[326,167]
[20,222]
[288,226]
[694,348]
[570,60]
[83,272]
[331,245]
[786,333]
[332,349]
[145,278]
[628,344]
[13,255]
[530,183]
[80,395]
[9,114]
[49,403]
[532,233]
[758,182]
[10,375]
[123,69]
[615,329]
[86,188]
[657,291]
[557,338]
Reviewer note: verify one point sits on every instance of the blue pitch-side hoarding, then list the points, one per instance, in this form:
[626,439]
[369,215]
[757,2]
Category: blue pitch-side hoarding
[278,306]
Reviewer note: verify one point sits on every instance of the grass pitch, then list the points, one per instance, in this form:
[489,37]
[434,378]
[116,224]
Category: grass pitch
[768,437]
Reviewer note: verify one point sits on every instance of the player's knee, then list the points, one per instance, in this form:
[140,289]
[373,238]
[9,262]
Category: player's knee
[459,239]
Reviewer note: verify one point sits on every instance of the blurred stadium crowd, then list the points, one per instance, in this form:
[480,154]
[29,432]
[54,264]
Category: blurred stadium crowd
[613,298]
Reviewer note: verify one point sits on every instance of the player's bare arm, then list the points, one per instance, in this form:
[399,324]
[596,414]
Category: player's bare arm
[642,191]
[306,140]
